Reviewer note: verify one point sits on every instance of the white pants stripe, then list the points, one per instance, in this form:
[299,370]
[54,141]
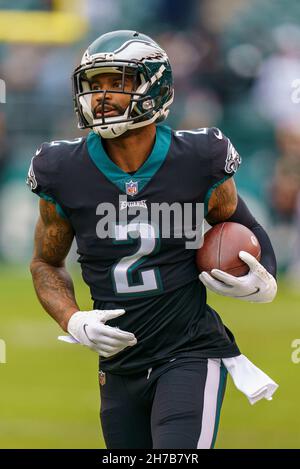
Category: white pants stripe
[210,403]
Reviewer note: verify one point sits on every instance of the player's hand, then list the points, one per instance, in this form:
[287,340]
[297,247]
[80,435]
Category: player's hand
[89,328]
[257,286]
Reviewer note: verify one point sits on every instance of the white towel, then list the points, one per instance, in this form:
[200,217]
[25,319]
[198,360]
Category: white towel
[249,379]
[68,338]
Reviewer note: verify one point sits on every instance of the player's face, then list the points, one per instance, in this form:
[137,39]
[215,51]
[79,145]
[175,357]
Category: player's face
[115,104]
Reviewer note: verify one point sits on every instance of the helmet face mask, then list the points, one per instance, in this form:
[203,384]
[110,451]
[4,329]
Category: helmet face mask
[152,91]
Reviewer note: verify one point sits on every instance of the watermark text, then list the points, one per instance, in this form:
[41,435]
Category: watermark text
[2,351]
[2,91]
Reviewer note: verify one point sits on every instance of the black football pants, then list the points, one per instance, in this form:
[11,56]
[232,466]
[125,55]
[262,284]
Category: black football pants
[175,405]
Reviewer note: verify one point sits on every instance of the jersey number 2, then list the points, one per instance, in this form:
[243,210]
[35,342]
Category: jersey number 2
[122,272]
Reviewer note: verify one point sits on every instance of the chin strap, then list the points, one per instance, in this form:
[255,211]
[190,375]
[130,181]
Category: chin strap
[111,131]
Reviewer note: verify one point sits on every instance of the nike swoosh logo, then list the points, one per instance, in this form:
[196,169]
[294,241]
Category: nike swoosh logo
[249,294]
[219,135]
[84,329]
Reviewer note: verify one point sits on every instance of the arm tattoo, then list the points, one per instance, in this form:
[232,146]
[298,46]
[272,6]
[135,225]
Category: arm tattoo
[222,203]
[52,283]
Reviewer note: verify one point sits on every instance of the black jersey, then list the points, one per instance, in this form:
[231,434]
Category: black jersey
[128,257]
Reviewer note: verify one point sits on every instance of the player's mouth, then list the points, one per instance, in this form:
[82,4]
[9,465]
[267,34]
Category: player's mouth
[108,112]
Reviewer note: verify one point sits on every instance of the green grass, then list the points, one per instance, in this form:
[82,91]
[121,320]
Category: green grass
[49,390]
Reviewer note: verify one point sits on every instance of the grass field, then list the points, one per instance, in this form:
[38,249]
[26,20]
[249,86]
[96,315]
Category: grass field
[49,390]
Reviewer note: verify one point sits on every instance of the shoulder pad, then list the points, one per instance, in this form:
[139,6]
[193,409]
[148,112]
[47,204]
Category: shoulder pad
[226,159]
[45,164]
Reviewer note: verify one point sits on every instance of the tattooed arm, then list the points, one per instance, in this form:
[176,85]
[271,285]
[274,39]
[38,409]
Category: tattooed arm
[54,288]
[222,203]
[52,283]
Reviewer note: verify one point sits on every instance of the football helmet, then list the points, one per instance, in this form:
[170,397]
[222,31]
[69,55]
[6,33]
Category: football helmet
[126,53]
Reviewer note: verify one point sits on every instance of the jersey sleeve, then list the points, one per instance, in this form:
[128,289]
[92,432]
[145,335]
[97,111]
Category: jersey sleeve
[43,172]
[225,160]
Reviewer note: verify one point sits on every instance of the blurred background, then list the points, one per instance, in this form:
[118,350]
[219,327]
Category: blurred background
[236,66]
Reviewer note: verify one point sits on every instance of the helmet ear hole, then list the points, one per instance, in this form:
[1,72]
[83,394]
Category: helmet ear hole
[164,90]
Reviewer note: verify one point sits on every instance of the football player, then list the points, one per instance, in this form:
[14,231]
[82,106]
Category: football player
[160,344]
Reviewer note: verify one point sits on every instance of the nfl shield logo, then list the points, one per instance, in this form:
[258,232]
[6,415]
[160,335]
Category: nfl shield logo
[131,188]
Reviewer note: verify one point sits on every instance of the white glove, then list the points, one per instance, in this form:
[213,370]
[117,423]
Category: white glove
[89,328]
[258,286]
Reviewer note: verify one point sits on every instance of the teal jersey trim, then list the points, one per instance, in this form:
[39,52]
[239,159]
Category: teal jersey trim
[59,210]
[144,174]
[210,191]
[221,390]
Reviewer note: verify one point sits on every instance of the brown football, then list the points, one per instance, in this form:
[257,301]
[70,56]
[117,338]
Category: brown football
[221,247]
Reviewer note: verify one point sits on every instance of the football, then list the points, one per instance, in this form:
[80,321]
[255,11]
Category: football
[221,247]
